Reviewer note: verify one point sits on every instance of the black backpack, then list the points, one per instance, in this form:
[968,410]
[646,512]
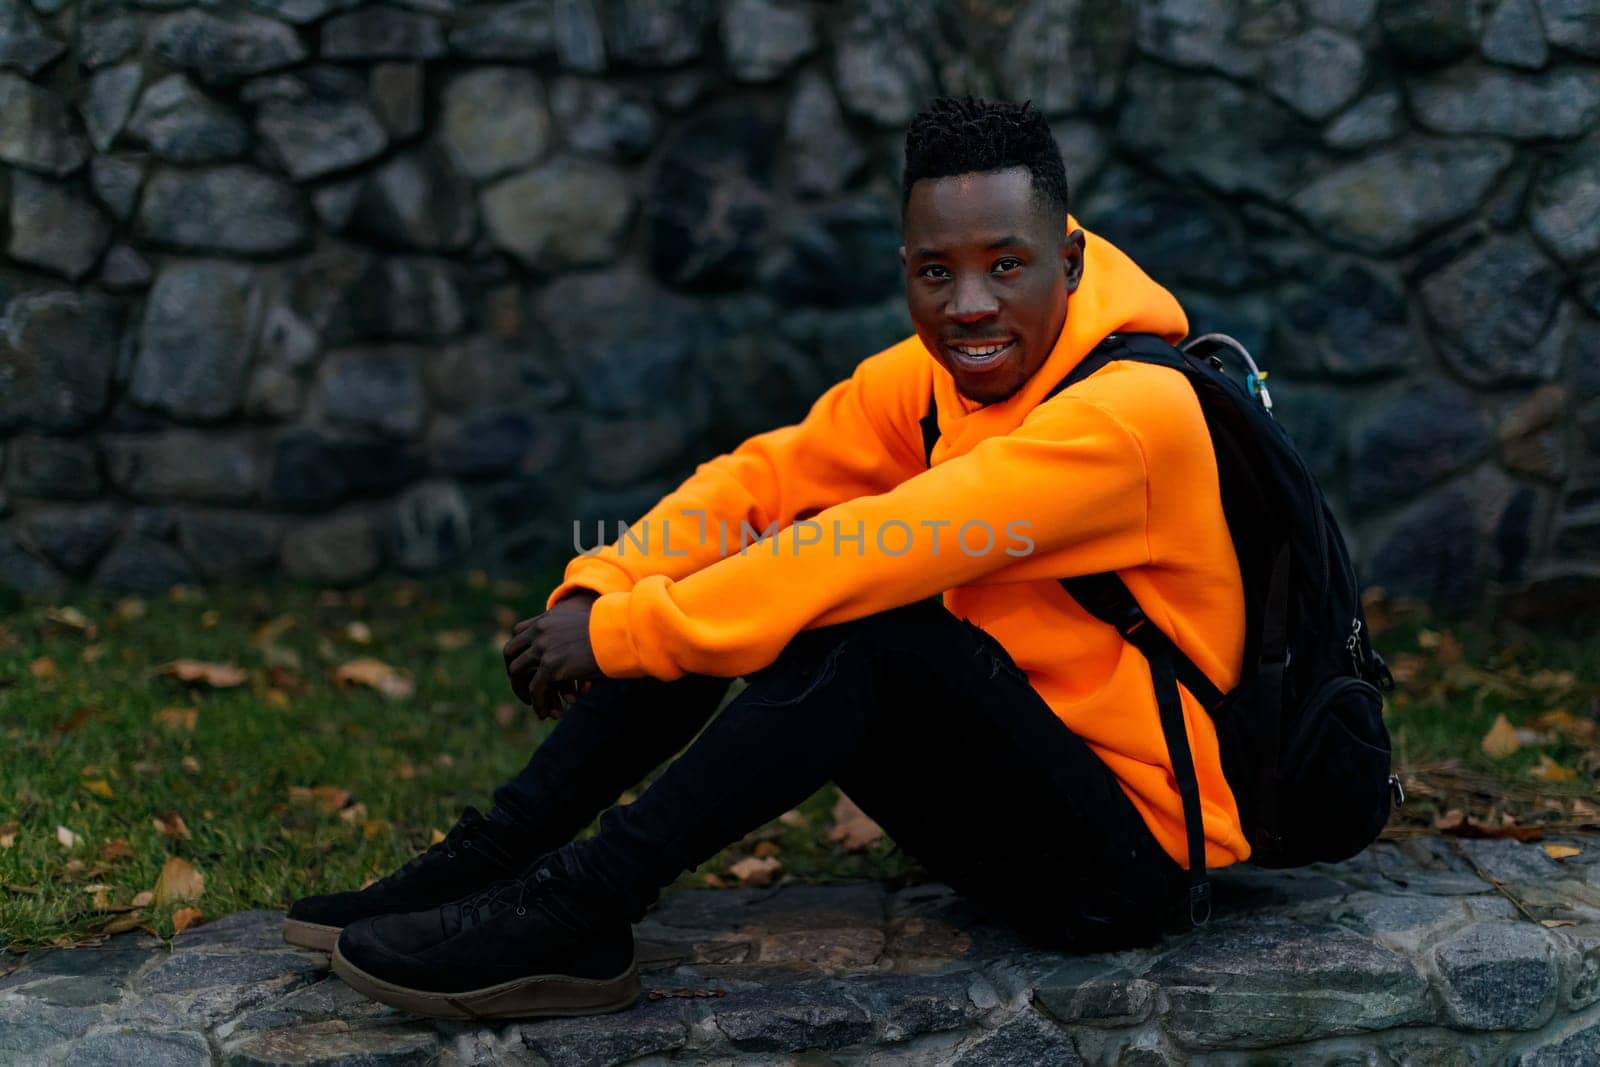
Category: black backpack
[1302,738]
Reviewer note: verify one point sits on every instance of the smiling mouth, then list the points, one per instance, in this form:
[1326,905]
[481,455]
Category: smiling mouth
[976,356]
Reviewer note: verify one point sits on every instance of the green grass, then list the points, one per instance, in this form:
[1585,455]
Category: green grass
[81,746]
[410,764]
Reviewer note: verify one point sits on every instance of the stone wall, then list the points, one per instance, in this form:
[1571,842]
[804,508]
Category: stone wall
[325,287]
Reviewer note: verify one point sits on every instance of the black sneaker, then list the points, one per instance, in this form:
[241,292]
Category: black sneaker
[468,859]
[539,945]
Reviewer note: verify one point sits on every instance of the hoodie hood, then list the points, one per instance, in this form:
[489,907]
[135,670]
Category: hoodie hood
[1115,296]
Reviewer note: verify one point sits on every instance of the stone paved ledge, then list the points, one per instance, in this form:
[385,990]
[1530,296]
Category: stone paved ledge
[1408,954]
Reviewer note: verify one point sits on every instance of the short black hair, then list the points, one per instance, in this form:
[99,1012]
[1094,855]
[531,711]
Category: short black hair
[968,135]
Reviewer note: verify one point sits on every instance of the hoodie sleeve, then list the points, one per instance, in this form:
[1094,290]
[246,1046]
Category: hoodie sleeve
[1063,494]
[855,441]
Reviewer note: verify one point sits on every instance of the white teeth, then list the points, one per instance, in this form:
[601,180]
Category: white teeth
[986,350]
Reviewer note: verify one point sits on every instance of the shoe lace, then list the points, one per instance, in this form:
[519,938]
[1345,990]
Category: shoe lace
[460,837]
[518,893]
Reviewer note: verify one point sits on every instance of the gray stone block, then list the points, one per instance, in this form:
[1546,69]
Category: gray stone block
[180,122]
[227,209]
[38,132]
[603,120]
[73,538]
[374,389]
[184,465]
[382,32]
[335,1045]
[138,564]
[58,350]
[1261,981]
[1571,24]
[415,200]
[1558,104]
[655,33]
[229,546]
[1391,199]
[1564,210]
[1413,440]
[1512,35]
[1509,294]
[24,44]
[319,123]
[127,1045]
[1498,976]
[221,50]
[762,39]
[494,120]
[566,213]
[341,550]
[1027,1038]
[823,153]
[53,469]
[648,1028]
[109,101]
[195,349]
[54,228]
[792,1018]
[116,181]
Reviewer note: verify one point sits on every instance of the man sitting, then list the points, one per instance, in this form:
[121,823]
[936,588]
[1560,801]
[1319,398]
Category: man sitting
[903,632]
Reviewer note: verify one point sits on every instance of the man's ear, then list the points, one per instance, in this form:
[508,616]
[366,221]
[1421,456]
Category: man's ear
[902,257]
[1072,259]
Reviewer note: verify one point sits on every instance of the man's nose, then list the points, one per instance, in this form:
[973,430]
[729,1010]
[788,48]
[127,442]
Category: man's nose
[972,300]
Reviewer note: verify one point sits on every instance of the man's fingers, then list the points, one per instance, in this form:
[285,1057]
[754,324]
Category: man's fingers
[523,624]
[539,694]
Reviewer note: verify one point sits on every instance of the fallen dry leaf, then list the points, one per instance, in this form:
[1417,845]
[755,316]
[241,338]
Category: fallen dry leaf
[42,668]
[130,609]
[184,918]
[375,674]
[171,825]
[713,880]
[98,786]
[115,850]
[121,924]
[764,849]
[452,640]
[1561,852]
[178,882]
[359,633]
[196,672]
[67,838]
[505,714]
[330,798]
[143,899]
[1558,922]
[177,719]
[356,812]
[190,764]
[1501,740]
[8,834]
[436,837]
[93,653]
[1553,681]
[71,619]
[756,870]
[852,827]
[74,722]
[1551,771]
[792,817]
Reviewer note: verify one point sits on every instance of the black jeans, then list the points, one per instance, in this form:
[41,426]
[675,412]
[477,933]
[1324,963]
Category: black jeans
[921,717]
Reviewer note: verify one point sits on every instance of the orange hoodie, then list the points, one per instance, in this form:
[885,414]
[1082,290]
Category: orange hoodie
[1116,473]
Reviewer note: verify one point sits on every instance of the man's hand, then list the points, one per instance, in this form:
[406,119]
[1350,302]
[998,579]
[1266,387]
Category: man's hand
[549,651]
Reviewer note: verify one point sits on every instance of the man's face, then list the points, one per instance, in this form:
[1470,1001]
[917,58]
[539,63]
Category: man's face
[988,273]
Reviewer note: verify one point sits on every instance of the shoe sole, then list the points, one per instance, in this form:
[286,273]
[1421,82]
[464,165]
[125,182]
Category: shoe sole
[315,936]
[536,996]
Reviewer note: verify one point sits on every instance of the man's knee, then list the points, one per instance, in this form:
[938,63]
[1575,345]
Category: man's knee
[819,657]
